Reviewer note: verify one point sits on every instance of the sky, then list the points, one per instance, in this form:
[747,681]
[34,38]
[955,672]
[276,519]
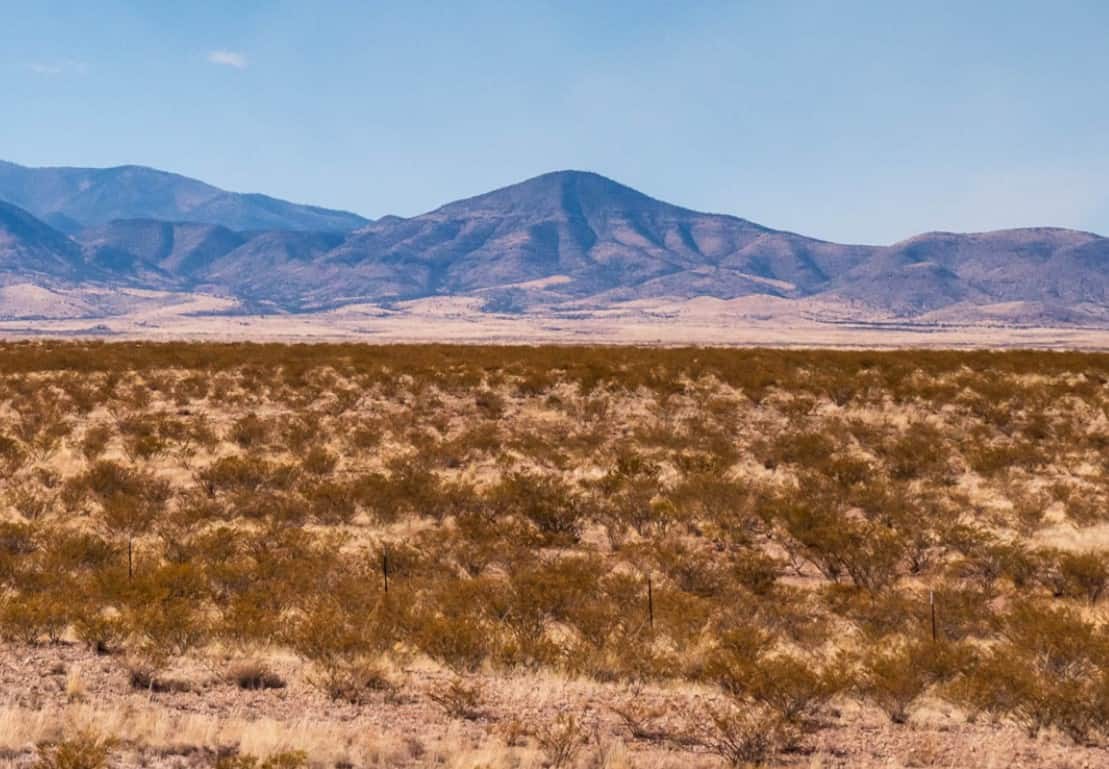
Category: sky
[851,121]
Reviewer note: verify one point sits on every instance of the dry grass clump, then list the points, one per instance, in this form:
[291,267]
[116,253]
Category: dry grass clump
[292,759]
[149,733]
[83,750]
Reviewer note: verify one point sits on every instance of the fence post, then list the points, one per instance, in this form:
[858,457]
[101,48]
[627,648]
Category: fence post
[932,605]
[385,568]
[650,602]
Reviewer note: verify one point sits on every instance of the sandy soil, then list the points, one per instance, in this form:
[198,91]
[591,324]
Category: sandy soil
[756,320]
[51,690]
[455,320]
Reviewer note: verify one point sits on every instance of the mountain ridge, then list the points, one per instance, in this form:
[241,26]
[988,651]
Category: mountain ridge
[29,246]
[571,240]
[76,197]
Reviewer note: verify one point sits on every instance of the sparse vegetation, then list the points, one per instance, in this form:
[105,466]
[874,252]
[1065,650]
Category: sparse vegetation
[782,530]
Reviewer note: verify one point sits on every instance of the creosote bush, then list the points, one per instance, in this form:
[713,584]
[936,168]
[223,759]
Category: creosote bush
[459,698]
[894,679]
[741,736]
[561,740]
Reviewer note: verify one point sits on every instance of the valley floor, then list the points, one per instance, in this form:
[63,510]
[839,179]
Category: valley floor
[631,328]
[752,321]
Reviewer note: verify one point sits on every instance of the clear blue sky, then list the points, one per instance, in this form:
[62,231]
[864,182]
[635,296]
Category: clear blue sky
[852,121]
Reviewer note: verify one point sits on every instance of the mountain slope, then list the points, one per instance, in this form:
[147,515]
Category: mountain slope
[601,235]
[32,251]
[938,269]
[566,242]
[182,249]
[279,268]
[74,198]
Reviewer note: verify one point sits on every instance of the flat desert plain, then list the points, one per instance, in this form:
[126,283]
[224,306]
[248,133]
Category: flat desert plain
[342,555]
[748,321]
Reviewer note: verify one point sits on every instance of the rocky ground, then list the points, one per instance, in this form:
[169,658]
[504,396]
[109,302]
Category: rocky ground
[54,691]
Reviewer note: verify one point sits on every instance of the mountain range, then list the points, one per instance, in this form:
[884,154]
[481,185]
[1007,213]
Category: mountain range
[71,199]
[569,241]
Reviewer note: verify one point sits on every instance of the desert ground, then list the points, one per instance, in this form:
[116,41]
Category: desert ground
[27,312]
[342,555]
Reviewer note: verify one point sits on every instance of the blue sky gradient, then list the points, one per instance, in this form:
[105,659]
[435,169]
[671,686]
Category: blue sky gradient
[848,120]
